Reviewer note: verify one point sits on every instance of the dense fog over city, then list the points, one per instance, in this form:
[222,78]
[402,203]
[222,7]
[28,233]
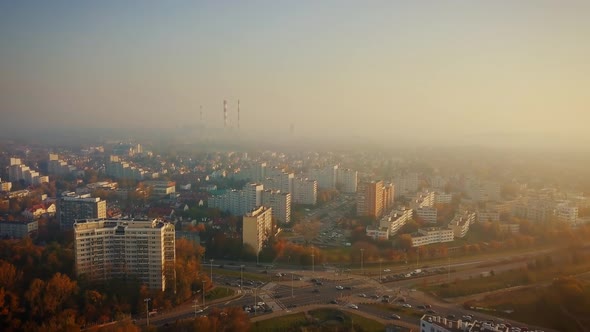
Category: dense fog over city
[256,166]
[493,73]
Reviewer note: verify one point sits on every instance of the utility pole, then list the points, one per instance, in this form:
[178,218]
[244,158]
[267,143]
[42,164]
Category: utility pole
[211,269]
[147,310]
[380,269]
[203,294]
[292,284]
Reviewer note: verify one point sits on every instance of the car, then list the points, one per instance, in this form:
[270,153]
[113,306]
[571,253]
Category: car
[375,296]
[406,305]
[428,306]
[384,300]
[291,306]
[387,270]
[348,287]
[333,302]
[319,283]
[421,307]
[362,295]
[451,316]
[430,311]
[315,290]
[339,287]
[394,316]
[352,306]
[386,296]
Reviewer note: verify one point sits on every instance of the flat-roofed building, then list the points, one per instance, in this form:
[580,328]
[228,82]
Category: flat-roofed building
[18,229]
[257,227]
[432,235]
[119,248]
[72,207]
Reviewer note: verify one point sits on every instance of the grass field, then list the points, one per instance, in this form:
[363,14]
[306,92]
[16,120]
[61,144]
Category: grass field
[247,275]
[324,319]
[517,277]
[219,292]
[283,323]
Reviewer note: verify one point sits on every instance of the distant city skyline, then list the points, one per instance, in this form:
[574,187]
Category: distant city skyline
[454,72]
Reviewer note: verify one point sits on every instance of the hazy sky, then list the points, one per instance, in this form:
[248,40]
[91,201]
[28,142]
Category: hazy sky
[436,69]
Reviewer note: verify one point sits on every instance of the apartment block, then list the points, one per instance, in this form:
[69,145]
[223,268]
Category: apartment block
[257,227]
[347,180]
[305,191]
[428,214]
[370,200]
[18,229]
[280,203]
[72,207]
[432,235]
[117,248]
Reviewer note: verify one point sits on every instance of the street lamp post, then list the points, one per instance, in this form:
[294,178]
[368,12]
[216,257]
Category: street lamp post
[211,269]
[291,284]
[147,310]
[255,298]
[203,294]
[362,258]
[312,262]
[380,260]
[241,276]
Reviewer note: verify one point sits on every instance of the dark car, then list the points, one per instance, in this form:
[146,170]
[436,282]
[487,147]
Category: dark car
[348,287]
[315,290]
[333,302]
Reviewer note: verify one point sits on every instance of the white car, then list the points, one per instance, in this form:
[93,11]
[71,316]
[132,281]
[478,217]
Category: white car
[339,287]
[352,306]
[387,270]
[406,305]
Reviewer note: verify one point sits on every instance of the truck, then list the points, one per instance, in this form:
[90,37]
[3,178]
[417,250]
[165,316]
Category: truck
[417,271]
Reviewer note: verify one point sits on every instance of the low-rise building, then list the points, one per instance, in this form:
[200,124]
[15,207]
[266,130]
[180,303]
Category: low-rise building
[432,235]
[488,216]
[428,214]
[377,233]
[510,228]
[461,222]
[395,219]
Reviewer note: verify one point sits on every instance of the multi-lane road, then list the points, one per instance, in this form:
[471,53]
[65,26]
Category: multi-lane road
[298,290]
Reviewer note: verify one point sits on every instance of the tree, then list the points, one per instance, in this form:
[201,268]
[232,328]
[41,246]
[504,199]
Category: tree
[405,241]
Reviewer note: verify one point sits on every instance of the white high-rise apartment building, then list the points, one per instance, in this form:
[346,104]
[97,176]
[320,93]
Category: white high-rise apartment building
[305,191]
[144,249]
[326,177]
[347,180]
[257,227]
[253,196]
[280,203]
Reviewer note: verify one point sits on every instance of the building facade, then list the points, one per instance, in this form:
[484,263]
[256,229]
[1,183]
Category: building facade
[257,227]
[72,207]
[117,248]
[305,191]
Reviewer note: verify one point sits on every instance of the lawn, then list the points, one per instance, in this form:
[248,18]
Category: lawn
[324,319]
[517,277]
[336,318]
[246,275]
[398,309]
[282,323]
[219,292]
